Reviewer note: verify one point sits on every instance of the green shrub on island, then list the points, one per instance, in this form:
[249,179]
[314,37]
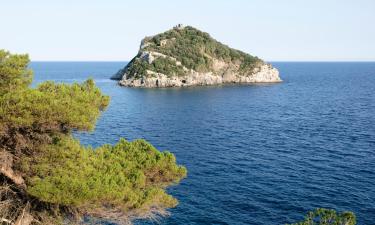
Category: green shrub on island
[48,177]
[191,47]
[323,216]
[159,65]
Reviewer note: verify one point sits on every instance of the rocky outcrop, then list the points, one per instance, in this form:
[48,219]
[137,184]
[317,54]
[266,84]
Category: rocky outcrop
[265,74]
[163,61]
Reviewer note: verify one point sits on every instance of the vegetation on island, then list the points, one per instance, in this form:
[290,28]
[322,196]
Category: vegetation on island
[138,68]
[322,216]
[194,49]
[48,177]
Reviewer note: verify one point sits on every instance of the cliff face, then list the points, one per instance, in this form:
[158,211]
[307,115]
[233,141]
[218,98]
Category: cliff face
[185,56]
[266,73]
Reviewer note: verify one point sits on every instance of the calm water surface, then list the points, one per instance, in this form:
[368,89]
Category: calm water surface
[258,154]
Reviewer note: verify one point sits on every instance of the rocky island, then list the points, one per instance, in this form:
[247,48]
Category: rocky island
[186,56]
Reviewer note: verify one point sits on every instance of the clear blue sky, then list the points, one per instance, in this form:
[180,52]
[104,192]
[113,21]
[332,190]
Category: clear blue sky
[106,30]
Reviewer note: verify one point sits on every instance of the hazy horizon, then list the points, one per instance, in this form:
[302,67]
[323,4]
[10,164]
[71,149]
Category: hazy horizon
[287,31]
[287,61]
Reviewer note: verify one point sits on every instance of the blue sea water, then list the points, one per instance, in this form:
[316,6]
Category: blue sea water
[256,154]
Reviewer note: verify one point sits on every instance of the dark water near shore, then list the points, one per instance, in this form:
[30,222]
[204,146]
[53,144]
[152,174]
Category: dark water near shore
[258,154]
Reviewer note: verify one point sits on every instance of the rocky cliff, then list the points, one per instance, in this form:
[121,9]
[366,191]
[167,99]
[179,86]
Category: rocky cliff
[185,56]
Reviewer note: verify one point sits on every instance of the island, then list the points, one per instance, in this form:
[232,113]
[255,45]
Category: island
[186,56]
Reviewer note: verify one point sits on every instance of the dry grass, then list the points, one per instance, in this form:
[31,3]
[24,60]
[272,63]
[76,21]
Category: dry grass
[118,216]
[11,205]
[16,208]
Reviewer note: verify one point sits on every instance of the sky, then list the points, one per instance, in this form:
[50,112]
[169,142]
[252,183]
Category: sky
[111,30]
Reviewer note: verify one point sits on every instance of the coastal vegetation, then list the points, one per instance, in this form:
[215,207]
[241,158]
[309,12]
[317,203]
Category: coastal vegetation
[322,216]
[166,66]
[196,49]
[48,177]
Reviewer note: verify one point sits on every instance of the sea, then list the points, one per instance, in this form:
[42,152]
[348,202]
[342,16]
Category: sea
[259,154]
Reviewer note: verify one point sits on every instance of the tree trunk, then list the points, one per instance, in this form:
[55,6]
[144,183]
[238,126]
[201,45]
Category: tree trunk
[6,163]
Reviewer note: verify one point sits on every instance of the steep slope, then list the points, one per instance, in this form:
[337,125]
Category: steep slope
[185,56]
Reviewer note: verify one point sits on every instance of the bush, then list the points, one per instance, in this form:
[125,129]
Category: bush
[323,216]
[128,175]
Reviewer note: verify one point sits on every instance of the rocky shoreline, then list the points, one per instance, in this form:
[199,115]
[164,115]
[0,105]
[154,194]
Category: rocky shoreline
[265,74]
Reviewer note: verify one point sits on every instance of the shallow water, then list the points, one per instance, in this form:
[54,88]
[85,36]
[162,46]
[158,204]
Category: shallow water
[255,154]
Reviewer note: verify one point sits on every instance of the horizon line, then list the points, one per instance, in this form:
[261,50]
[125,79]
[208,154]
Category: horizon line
[272,61]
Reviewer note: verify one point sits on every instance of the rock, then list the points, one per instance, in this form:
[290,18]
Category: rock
[267,74]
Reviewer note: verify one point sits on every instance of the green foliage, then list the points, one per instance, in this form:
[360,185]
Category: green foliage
[53,106]
[14,74]
[323,216]
[194,49]
[129,175]
[50,106]
[60,175]
[138,68]
[166,66]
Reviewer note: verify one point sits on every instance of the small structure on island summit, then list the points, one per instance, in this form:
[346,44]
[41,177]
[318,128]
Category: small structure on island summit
[179,26]
[186,56]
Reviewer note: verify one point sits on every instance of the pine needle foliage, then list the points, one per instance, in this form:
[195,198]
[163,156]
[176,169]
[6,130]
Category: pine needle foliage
[322,216]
